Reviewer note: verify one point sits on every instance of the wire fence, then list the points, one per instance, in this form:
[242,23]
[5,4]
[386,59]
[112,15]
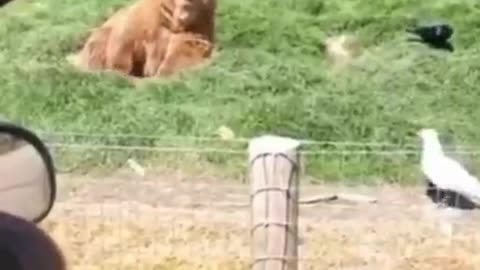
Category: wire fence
[61,136]
[181,220]
[184,220]
[367,162]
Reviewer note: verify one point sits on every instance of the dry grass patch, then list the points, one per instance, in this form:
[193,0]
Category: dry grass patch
[127,236]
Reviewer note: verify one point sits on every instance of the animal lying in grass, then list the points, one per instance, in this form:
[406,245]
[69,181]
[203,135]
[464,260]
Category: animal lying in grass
[92,56]
[151,38]
[191,38]
[23,246]
[117,43]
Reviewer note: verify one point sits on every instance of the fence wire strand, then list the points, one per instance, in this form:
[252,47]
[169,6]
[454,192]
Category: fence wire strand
[49,135]
[230,151]
[474,151]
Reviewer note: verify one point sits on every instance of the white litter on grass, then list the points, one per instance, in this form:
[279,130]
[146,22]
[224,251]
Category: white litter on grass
[225,133]
[341,49]
[137,168]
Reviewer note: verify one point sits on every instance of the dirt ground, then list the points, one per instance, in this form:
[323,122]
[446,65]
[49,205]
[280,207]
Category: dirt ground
[403,230]
[226,196]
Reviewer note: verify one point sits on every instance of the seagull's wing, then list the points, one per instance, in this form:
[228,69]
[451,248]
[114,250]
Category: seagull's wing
[459,179]
[450,145]
[466,162]
[442,172]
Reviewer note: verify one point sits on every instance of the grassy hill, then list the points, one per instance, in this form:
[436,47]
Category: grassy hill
[270,77]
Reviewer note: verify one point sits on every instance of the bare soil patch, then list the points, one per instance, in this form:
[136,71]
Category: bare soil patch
[176,221]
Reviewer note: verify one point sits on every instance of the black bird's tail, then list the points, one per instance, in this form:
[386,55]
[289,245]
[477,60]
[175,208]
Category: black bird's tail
[4,2]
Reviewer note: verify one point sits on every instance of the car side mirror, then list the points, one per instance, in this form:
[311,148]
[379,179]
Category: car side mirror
[27,174]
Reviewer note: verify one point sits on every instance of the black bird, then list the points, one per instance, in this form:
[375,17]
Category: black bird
[435,35]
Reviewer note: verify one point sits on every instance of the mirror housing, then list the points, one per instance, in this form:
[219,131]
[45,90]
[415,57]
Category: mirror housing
[27,174]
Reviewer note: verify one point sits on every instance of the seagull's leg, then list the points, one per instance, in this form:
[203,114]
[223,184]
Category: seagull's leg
[444,201]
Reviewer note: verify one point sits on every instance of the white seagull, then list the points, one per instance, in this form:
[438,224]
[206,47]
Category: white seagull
[444,172]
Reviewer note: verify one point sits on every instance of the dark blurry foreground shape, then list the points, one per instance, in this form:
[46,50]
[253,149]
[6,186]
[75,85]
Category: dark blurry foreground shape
[27,175]
[435,35]
[448,198]
[24,246]
[4,2]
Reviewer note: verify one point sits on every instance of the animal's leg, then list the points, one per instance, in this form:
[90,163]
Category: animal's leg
[444,202]
[92,55]
[97,48]
[138,60]
[119,59]
[184,51]
[119,55]
[155,50]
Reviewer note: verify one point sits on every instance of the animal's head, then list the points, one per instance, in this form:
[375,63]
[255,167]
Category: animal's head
[196,16]
[428,134]
[430,140]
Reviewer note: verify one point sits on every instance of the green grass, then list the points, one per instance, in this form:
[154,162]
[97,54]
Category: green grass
[271,77]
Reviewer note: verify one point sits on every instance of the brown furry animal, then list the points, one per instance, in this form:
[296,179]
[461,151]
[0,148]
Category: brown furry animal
[92,56]
[141,25]
[184,50]
[196,17]
[118,44]
[156,51]
[138,39]
[188,43]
